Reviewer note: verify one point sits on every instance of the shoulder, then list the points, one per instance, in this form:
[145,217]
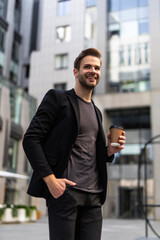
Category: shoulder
[59,93]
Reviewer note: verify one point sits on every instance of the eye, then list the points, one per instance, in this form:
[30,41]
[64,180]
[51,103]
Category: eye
[97,68]
[87,66]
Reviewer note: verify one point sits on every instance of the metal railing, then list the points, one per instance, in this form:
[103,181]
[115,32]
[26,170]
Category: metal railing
[143,204]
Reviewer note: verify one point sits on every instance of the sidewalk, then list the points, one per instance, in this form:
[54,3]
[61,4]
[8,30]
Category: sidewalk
[113,229]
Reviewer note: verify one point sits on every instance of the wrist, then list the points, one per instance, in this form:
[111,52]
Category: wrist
[49,178]
[109,152]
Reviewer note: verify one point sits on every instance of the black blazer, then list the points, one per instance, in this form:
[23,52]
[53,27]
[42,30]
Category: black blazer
[50,138]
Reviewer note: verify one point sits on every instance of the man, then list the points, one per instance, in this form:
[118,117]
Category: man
[66,147]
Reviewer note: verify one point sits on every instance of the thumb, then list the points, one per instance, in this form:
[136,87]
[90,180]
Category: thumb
[69,182]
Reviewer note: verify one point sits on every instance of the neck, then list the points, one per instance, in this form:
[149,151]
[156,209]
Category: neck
[85,94]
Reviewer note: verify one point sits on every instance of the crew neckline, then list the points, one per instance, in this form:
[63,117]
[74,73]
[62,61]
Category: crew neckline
[83,100]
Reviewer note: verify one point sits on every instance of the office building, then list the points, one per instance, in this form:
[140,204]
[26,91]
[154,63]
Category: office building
[128,35]
[17,41]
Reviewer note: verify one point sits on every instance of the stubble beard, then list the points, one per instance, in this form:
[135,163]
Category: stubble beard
[83,82]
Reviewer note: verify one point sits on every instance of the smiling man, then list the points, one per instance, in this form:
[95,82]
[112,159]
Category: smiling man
[66,146]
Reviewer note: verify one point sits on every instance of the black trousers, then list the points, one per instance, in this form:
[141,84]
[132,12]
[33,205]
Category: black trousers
[76,215]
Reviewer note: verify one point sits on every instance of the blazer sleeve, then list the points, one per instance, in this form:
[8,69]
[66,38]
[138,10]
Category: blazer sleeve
[102,137]
[37,131]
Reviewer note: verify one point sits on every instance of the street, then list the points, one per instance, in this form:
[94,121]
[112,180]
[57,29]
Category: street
[113,229]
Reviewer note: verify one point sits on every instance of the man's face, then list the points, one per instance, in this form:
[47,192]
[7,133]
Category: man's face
[89,72]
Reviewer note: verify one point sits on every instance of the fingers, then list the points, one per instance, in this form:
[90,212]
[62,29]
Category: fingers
[69,182]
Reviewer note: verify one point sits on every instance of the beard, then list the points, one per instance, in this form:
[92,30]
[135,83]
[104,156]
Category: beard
[83,82]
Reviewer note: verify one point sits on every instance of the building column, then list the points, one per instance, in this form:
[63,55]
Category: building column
[155,119]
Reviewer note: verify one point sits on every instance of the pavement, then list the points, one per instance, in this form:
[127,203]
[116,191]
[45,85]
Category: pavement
[113,229]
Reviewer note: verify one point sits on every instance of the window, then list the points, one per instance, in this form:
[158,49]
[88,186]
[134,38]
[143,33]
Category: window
[138,130]
[143,13]
[142,3]
[90,28]
[13,71]
[114,5]
[60,86]
[129,29]
[3,8]
[17,15]
[12,155]
[146,53]
[143,27]
[128,15]
[129,55]
[61,61]
[63,34]
[27,70]
[90,3]
[125,4]
[121,56]
[15,51]
[139,54]
[63,7]
[2,39]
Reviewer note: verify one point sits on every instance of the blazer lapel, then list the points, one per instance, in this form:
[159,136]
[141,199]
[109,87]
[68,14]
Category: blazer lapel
[73,99]
[101,135]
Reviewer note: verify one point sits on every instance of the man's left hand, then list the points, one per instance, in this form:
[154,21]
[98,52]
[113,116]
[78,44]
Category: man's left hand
[111,150]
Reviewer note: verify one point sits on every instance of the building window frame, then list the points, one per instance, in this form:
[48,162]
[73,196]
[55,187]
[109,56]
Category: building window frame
[91,3]
[61,61]
[63,7]
[63,33]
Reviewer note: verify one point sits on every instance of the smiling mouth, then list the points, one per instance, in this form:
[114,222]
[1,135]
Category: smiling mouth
[92,77]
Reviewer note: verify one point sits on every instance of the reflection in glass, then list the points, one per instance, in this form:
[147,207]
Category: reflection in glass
[143,12]
[91,3]
[125,4]
[90,30]
[63,34]
[143,27]
[121,56]
[129,29]
[138,131]
[12,155]
[128,37]
[63,7]
[114,5]
[142,2]
[61,61]
[129,14]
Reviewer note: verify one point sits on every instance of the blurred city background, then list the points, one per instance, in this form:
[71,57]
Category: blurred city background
[39,40]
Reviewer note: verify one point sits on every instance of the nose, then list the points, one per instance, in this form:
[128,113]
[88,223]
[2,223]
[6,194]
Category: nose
[92,69]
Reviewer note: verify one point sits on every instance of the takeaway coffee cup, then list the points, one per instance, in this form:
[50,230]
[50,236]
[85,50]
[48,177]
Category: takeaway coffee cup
[115,132]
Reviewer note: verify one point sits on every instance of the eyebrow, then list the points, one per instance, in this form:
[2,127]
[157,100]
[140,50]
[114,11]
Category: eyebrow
[90,65]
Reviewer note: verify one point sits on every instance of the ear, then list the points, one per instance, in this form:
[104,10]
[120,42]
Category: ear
[75,72]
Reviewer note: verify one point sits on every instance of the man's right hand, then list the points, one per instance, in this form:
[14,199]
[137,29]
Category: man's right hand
[57,186]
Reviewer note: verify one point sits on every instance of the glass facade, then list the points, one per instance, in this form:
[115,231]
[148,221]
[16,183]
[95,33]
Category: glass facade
[128,46]
[2,39]
[91,3]
[137,125]
[17,15]
[3,8]
[12,155]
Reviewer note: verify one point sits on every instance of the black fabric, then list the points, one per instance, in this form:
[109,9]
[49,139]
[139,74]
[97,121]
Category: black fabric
[50,137]
[76,215]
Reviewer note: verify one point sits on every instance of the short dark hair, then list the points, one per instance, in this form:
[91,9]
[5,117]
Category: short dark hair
[87,52]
